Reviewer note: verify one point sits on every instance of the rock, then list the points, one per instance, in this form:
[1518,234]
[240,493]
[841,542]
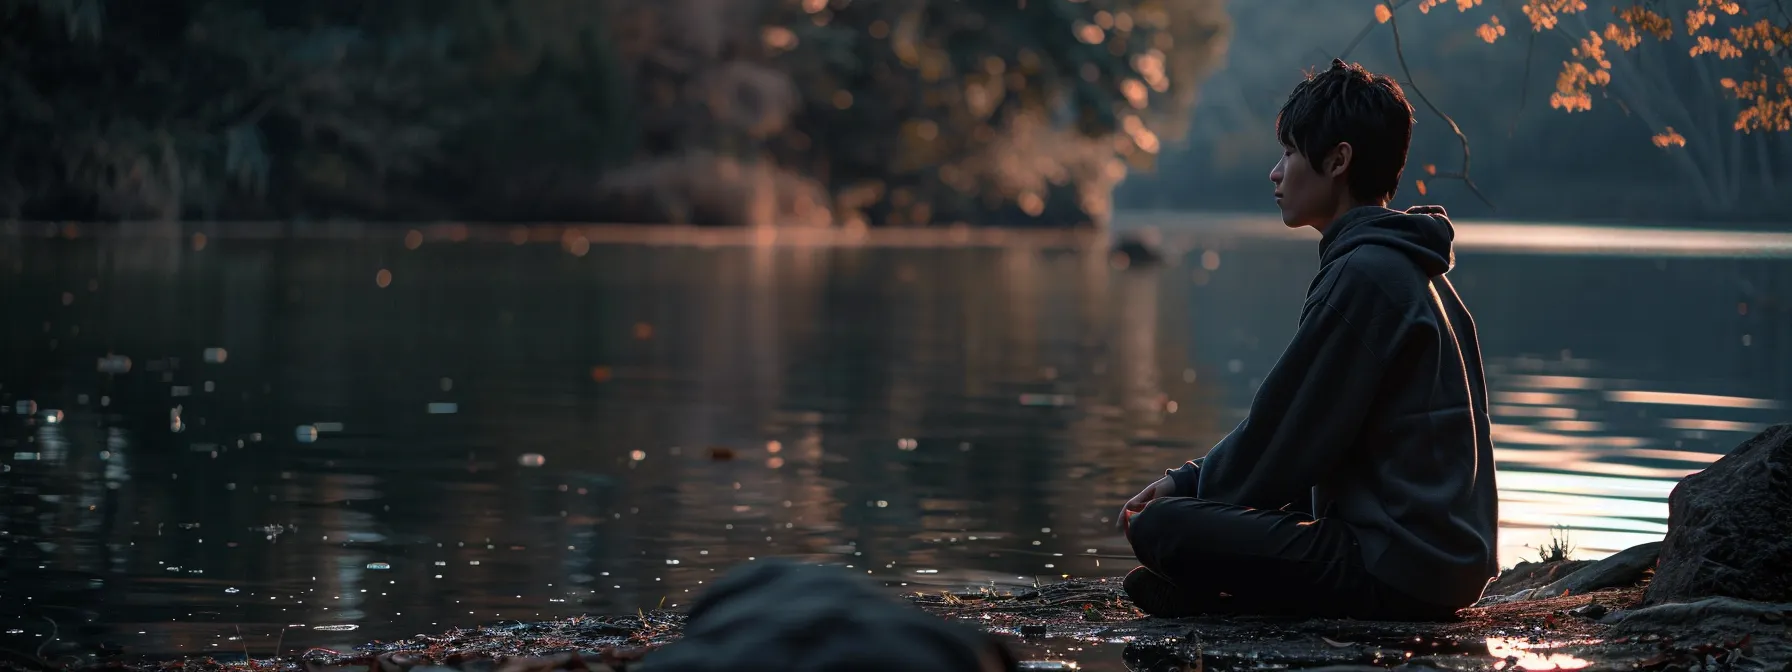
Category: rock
[1491,600]
[1718,621]
[1528,575]
[789,617]
[1624,568]
[1590,611]
[1660,616]
[1621,569]
[1730,527]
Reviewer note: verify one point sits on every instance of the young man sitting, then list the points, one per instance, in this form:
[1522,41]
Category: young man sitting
[1361,483]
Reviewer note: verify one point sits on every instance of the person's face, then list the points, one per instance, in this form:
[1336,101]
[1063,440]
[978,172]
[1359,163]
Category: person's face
[1306,197]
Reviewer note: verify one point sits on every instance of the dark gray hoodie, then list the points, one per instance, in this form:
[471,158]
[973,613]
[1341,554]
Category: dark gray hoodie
[1376,414]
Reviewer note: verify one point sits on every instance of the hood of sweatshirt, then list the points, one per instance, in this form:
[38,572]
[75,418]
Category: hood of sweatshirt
[1423,233]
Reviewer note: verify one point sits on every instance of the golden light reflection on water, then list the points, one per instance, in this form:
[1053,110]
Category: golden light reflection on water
[1512,237]
[1527,656]
[1599,455]
[1685,399]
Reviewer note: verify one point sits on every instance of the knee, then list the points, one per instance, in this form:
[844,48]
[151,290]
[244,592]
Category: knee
[1150,524]
[1171,523]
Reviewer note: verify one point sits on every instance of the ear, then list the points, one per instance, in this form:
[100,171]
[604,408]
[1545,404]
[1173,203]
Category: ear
[1338,160]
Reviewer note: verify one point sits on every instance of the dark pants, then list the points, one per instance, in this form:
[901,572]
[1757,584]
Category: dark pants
[1222,559]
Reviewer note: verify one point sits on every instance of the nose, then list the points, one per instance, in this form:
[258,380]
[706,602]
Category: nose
[1275,174]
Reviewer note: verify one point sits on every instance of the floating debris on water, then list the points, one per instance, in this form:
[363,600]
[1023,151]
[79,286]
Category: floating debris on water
[531,459]
[378,565]
[232,591]
[344,627]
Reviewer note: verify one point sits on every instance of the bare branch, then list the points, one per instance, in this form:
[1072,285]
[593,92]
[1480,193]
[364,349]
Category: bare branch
[1400,53]
[1369,28]
[1524,91]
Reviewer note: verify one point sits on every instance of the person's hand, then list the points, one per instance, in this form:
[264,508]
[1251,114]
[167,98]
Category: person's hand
[1163,487]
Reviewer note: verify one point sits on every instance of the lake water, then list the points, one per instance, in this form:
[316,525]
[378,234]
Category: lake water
[210,440]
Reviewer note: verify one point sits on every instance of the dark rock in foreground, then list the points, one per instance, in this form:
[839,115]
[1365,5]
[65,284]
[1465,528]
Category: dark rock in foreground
[1625,568]
[1528,575]
[1730,527]
[779,616]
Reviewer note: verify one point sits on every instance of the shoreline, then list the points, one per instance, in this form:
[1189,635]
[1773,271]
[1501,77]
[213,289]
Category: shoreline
[1569,632]
[1174,232]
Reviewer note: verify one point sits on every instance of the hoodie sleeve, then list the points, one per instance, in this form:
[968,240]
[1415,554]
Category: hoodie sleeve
[1306,413]
[1186,477]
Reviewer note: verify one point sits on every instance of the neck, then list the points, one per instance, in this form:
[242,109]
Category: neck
[1344,205]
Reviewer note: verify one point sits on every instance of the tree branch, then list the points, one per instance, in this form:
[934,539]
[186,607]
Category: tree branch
[1400,53]
[1369,28]
[1524,91]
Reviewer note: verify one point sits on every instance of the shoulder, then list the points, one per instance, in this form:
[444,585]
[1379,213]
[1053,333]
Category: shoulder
[1374,275]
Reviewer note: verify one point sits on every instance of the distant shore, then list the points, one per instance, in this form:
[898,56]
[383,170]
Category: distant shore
[1174,231]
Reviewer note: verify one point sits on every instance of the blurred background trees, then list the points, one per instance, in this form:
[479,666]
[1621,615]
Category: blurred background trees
[1665,111]
[865,112]
[893,112]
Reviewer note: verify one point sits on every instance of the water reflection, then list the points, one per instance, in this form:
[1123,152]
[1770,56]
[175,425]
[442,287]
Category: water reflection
[1523,654]
[406,433]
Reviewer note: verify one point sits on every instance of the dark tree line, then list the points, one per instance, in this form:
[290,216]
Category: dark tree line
[895,112]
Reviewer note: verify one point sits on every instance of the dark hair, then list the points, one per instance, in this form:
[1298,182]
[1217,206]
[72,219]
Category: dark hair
[1350,104]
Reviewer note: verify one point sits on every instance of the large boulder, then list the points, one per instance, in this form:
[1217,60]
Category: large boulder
[1730,527]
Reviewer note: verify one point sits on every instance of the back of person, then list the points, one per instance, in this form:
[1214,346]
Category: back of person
[1417,485]
[1361,482]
